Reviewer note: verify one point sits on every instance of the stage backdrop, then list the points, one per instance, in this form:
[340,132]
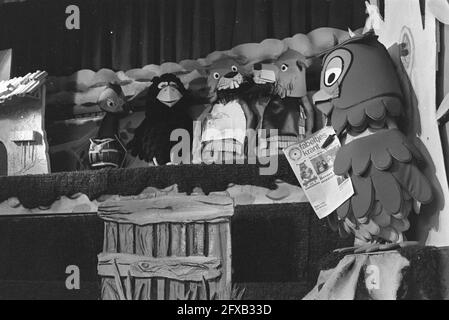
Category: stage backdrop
[123,34]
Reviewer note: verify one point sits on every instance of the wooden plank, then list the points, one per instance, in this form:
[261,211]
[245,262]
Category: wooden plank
[162,248]
[108,289]
[192,268]
[144,240]
[110,244]
[177,249]
[226,263]
[126,238]
[219,246]
[190,234]
[214,251]
[197,249]
[166,209]
[144,246]
[126,245]
[110,237]
[198,240]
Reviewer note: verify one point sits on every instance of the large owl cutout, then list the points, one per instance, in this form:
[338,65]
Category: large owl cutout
[360,93]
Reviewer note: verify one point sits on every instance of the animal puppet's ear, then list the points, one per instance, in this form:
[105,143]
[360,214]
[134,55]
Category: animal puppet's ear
[205,72]
[204,69]
[241,60]
[303,63]
[116,87]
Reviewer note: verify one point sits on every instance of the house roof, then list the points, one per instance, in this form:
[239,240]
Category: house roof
[20,86]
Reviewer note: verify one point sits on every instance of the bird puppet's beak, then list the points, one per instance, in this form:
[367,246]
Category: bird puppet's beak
[322,100]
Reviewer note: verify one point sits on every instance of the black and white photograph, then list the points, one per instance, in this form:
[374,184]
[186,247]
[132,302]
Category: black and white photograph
[145,147]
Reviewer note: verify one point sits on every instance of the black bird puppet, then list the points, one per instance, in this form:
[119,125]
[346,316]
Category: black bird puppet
[362,97]
[166,109]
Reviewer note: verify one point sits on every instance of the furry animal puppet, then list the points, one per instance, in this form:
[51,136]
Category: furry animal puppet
[166,109]
[224,129]
[280,98]
[361,94]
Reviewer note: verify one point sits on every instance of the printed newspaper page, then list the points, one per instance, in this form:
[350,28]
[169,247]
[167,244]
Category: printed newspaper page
[313,165]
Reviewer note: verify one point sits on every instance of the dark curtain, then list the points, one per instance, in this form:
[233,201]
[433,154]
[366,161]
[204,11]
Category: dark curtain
[124,34]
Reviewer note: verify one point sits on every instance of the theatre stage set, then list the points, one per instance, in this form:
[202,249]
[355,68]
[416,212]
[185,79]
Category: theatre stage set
[176,150]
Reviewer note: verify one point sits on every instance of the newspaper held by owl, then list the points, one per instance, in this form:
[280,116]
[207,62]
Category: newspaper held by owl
[312,161]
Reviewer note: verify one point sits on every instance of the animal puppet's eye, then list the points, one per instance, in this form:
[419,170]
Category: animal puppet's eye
[333,71]
[284,67]
[216,75]
[234,68]
[162,85]
[110,103]
[173,84]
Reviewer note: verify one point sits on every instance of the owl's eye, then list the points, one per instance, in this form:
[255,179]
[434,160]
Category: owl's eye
[216,75]
[110,103]
[234,68]
[284,67]
[333,71]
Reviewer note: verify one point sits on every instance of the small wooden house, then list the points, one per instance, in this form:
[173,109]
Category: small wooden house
[23,146]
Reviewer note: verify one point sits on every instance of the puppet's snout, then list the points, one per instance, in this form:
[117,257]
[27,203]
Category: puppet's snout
[231,75]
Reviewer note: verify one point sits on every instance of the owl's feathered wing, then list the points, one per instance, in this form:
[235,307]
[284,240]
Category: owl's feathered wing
[386,179]
[369,114]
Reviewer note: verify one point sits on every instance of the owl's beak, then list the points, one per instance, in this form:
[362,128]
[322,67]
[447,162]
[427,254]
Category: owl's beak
[321,96]
[322,100]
